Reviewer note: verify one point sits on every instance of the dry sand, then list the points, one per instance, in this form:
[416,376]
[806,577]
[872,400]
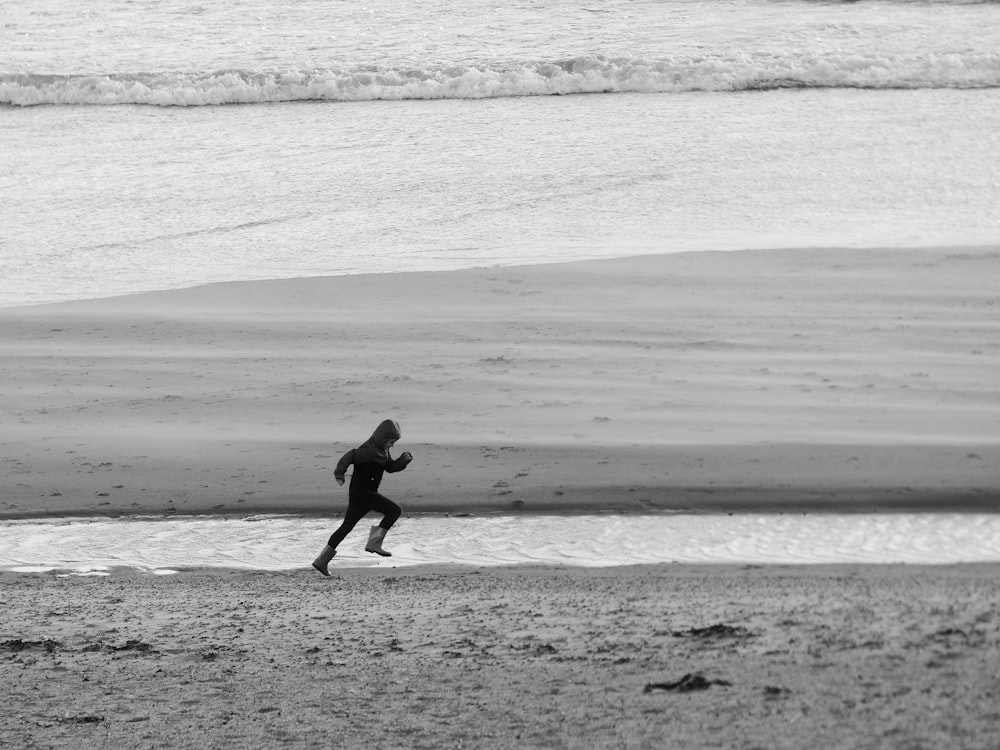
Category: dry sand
[778,657]
[842,379]
[854,380]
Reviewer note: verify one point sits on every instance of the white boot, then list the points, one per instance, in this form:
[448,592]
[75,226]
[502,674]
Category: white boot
[323,560]
[375,537]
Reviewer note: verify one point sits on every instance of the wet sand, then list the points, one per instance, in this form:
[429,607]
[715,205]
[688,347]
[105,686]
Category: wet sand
[764,380]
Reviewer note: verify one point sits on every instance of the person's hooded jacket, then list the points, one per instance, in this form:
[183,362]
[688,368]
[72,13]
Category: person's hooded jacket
[371,459]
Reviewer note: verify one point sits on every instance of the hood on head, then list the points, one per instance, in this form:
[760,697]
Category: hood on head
[385,432]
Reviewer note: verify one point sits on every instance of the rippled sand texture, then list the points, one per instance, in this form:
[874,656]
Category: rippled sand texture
[650,657]
[787,379]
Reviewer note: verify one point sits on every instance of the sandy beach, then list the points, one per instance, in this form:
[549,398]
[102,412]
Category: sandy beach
[688,311]
[756,380]
[644,657]
[709,383]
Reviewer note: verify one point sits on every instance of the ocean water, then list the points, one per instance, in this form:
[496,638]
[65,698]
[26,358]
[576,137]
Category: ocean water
[150,144]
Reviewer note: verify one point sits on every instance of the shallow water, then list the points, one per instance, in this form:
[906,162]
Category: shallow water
[92,546]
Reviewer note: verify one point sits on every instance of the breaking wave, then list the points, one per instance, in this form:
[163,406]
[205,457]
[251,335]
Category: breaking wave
[581,75]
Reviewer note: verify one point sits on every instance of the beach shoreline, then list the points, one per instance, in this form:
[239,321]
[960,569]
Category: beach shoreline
[794,382]
[688,313]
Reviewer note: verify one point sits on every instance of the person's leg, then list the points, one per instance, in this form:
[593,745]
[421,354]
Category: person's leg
[391,513]
[355,512]
[323,560]
[389,510]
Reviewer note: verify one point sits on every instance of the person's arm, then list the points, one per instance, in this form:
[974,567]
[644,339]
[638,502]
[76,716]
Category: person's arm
[346,460]
[398,464]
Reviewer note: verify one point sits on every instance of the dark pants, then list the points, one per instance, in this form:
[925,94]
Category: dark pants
[359,507]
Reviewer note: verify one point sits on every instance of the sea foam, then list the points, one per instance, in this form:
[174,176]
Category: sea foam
[577,75]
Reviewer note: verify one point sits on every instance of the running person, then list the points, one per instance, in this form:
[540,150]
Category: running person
[370,461]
